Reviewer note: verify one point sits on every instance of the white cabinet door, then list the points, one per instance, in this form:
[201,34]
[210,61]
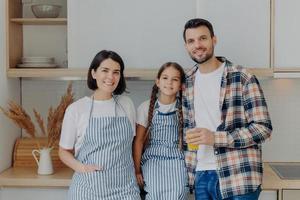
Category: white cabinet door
[287,32]
[268,195]
[291,194]
[242,29]
[33,194]
[264,195]
[144,33]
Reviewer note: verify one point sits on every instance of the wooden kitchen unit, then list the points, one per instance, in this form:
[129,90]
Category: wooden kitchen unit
[27,177]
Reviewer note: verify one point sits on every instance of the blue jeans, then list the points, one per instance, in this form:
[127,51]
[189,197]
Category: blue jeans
[207,188]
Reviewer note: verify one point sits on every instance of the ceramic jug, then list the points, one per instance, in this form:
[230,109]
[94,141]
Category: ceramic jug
[45,163]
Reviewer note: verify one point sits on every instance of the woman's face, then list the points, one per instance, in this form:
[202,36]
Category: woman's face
[107,76]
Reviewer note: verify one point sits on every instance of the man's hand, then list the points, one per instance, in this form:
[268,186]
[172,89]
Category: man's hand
[200,136]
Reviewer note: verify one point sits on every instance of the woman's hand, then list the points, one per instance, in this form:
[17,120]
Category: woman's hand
[88,168]
[140,179]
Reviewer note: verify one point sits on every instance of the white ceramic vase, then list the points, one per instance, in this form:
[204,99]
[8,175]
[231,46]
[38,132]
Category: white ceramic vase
[45,166]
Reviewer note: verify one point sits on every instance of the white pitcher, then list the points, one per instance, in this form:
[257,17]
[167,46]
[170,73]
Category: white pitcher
[45,164]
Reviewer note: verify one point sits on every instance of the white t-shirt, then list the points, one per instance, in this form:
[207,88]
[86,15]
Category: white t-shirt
[76,118]
[207,112]
[142,111]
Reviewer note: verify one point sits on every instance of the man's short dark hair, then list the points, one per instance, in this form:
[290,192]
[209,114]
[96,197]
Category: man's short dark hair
[197,22]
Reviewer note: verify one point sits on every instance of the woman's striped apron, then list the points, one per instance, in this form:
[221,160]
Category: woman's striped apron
[107,143]
[163,165]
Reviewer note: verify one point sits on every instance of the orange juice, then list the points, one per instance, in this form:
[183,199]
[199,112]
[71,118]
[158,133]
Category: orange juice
[193,147]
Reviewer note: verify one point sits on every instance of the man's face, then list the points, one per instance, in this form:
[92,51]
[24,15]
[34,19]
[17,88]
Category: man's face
[199,44]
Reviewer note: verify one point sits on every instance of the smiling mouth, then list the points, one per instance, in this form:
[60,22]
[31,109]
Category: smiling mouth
[108,84]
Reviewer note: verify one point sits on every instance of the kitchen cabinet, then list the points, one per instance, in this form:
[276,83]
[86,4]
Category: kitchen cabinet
[287,31]
[33,193]
[291,194]
[268,195]
[144,35]
[30,36]
[242,29]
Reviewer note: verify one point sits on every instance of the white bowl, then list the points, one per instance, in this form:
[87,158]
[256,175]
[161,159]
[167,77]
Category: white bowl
[37,60]
[45,10]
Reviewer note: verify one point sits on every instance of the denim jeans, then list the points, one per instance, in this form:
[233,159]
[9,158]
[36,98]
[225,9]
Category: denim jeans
[207,188]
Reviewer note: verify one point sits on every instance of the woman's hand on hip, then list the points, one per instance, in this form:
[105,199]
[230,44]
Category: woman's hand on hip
[89,168]
[140,179]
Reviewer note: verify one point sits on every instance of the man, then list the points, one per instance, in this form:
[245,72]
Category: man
[226,116]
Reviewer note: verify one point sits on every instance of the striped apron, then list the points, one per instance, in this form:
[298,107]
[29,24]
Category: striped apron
[107,143]
[163,165]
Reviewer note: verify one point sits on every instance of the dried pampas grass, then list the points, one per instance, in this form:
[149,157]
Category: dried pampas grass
[54,121]
[19,116]
[55,116]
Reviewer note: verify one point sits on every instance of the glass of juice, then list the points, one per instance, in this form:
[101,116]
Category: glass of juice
[191,147]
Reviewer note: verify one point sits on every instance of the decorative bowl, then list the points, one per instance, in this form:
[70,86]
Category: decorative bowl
[45,10]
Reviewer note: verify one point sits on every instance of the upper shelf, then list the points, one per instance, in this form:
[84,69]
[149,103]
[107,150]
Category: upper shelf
[80,73]
[40,21]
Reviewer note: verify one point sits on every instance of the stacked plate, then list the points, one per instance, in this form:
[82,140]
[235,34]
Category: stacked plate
[37,62]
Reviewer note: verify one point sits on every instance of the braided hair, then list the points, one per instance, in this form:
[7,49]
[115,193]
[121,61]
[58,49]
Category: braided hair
[154,97]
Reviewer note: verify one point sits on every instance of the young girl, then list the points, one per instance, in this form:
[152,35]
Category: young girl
[160,169]
[100,130]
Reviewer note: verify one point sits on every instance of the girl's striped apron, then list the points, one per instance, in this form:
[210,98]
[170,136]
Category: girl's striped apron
[107,143]
[163,165]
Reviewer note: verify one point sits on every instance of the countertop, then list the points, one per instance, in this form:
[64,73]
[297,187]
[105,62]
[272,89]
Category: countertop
[27,177]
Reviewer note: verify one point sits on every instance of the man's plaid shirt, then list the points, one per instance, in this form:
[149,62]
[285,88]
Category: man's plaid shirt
[245,124]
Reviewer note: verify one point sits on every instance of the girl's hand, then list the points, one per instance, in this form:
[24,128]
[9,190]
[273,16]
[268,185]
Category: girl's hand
[140,179]
[89,168]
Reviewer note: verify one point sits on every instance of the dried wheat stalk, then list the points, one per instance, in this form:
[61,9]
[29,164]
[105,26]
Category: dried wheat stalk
[19,116]
[40,122]
[55,116]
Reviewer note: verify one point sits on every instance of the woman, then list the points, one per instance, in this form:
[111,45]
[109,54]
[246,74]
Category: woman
[100,130]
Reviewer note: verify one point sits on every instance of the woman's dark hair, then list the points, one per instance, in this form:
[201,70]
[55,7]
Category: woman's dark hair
[98,59]
[153,99]
[197,22]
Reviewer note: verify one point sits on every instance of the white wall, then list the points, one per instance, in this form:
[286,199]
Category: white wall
[9,89]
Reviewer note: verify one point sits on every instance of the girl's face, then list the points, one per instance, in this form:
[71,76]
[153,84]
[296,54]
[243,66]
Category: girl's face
[169,82]
[107,76]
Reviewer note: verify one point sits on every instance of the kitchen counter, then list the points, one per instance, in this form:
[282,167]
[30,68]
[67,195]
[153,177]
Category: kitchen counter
[271,181]
[27,177]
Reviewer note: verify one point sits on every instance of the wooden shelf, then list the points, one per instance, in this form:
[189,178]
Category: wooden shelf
[40,21]
[287,69]
[262,72]
[75,73]
[81,73]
